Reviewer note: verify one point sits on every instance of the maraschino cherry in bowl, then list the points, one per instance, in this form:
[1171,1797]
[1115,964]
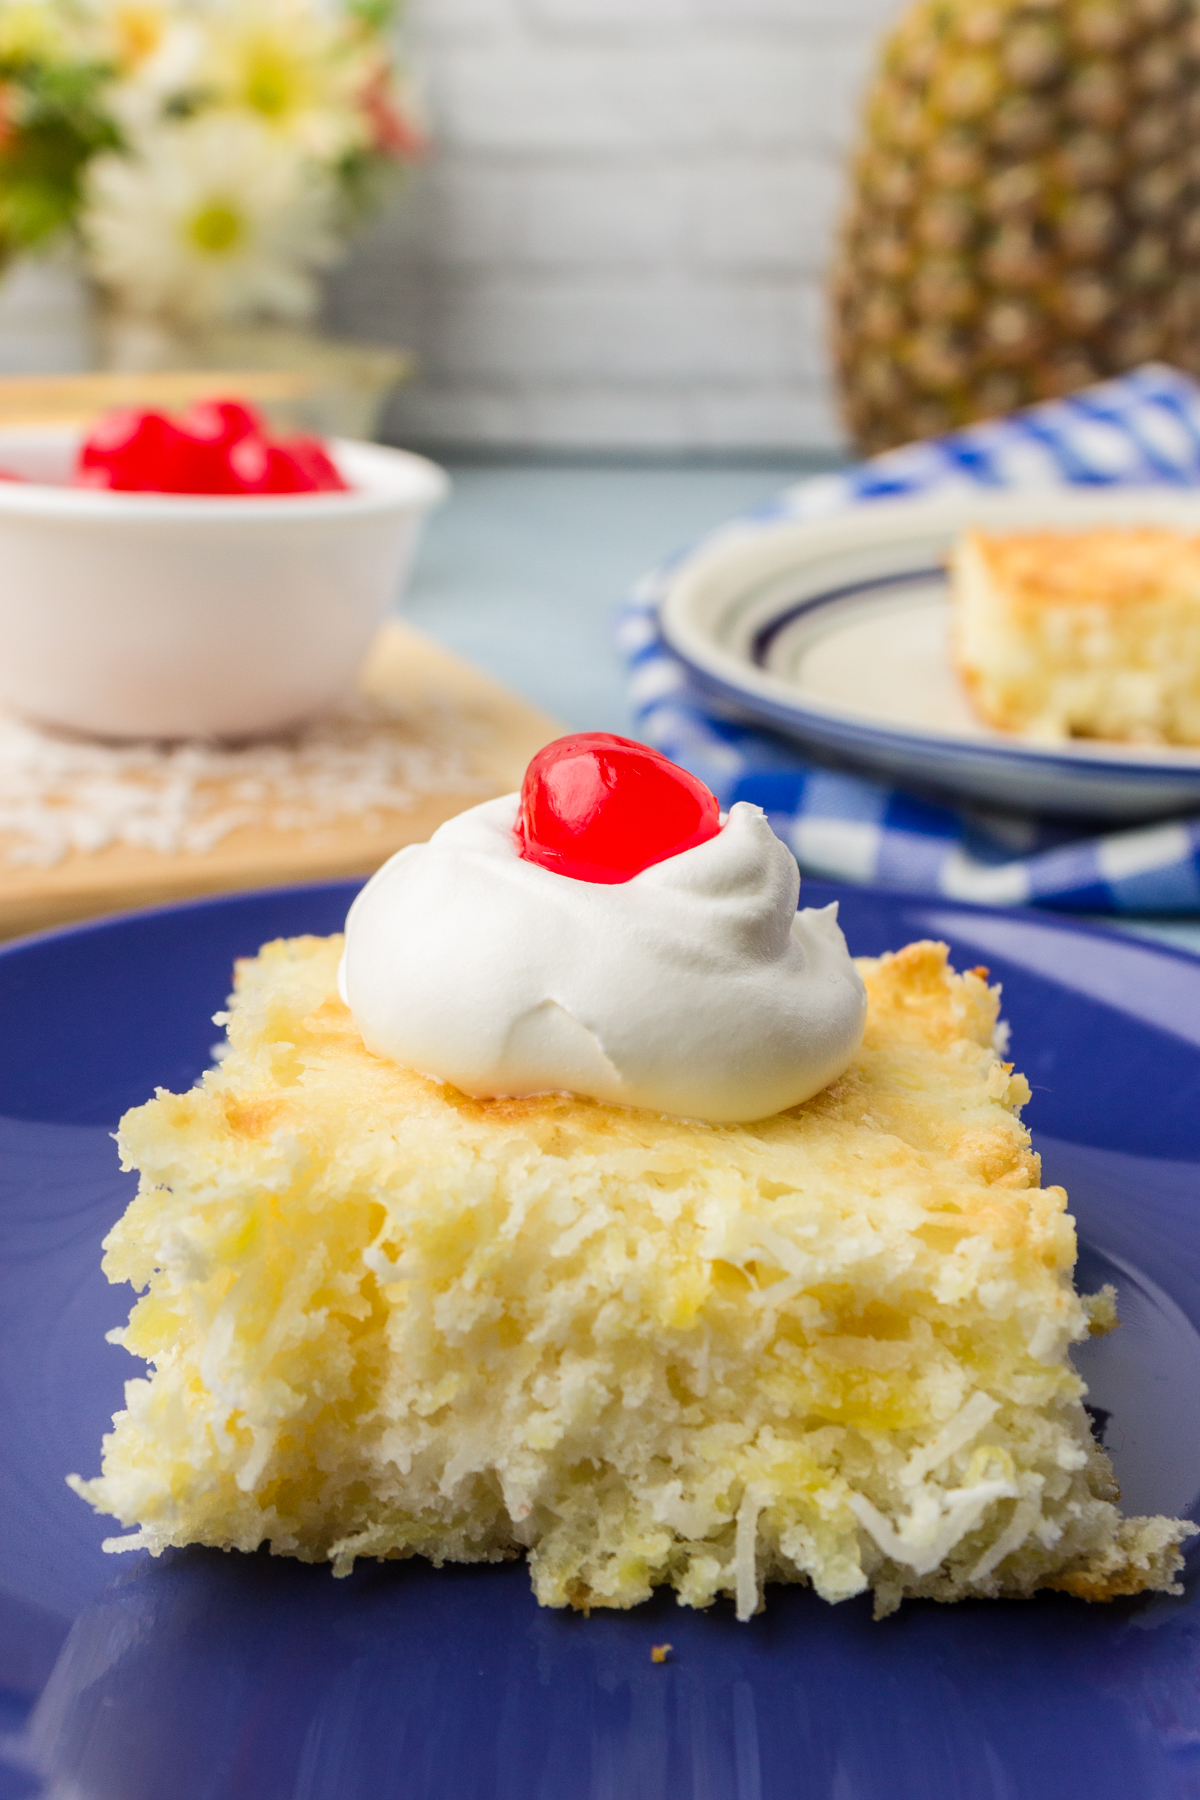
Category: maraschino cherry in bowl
[160,581]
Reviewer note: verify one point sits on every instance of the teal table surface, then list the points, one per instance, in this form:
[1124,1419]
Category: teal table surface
[523,569]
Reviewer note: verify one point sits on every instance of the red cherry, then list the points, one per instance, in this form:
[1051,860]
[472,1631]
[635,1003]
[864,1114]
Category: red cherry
[314,465]
[602,808]
[265,468]
[212,429]
[295,466]
[284,474]
[138,452]
[221,421]
[113,433]
[219,447]
[250,463]
[204,469]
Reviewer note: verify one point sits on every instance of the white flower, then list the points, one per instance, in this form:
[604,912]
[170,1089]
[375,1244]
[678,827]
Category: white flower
[157,50]
[131,33]
[213,218]
[295,66]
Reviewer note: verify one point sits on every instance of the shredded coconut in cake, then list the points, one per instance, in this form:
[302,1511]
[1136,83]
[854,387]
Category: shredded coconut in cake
[60,793]
[832,1347]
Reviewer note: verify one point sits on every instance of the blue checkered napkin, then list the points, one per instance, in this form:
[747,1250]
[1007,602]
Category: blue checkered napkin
[1143,427]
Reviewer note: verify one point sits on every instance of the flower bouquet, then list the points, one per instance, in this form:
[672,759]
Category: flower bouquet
[208,157]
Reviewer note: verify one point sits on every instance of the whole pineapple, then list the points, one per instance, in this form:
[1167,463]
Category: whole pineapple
[1026,210]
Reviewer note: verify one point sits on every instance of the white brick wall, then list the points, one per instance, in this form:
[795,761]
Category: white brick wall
[620,238]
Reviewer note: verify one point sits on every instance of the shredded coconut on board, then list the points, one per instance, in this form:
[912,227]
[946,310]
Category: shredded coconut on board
[60,793]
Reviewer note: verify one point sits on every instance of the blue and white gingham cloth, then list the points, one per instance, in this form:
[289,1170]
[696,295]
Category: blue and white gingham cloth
[1140,428]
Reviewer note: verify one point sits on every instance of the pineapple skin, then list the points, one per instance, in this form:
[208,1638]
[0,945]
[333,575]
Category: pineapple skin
[1024,216]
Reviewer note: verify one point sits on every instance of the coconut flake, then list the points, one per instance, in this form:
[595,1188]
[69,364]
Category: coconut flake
[745,1554]
[62,795]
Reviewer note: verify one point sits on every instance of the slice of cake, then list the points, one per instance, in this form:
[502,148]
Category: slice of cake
[832,1345]
[1091,634]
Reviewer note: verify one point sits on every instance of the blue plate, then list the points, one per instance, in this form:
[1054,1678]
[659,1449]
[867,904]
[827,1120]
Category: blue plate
[204,1676]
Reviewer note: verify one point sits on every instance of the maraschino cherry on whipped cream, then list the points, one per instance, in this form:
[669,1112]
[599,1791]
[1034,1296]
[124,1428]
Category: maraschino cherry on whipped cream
[605,933]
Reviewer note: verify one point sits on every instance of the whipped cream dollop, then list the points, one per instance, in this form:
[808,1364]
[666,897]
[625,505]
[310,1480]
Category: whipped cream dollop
[693,988]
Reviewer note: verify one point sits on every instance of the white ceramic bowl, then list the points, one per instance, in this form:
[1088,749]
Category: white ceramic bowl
[179,615]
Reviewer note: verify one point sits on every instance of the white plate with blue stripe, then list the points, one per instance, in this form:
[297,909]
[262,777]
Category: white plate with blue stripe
[835,632]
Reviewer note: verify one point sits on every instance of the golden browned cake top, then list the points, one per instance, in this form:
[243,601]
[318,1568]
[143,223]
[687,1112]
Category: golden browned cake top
[922,1090]
[1111,566]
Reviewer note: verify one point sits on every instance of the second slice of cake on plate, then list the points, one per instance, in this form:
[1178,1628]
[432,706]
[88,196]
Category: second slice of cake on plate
[1090,634]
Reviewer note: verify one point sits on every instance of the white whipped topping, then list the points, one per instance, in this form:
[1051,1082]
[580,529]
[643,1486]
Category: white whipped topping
[694,988]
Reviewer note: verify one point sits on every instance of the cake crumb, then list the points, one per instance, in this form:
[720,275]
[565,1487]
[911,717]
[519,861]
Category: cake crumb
[1101,1310]
[660,1652]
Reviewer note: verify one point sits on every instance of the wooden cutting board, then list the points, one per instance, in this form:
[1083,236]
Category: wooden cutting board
[466,736]
[77,400]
